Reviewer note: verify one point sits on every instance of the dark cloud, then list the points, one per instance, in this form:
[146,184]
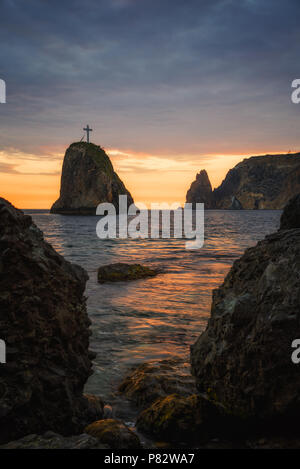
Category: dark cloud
[150,74]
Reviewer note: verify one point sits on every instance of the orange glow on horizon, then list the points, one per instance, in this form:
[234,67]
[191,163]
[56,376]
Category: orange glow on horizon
[33,181]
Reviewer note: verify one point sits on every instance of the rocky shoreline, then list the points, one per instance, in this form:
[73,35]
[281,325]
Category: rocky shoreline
[244,389]
[45,326]
[247,385]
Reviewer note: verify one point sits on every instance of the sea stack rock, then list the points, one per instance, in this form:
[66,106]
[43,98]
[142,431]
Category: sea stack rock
[200,191]
[88,179]
[243,360]
[45,326]
[259,182]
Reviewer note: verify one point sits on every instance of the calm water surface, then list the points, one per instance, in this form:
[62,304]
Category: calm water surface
[158,317]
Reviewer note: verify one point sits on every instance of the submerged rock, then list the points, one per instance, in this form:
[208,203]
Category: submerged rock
[123,272]
[88,179]
[152,380]
[114,433]
[44,322]
[51,440]
[243,359]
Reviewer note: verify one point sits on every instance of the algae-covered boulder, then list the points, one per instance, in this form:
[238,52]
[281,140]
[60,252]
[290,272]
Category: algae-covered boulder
[114,433]
[181,419]
[88,179]
[149,381]
[123,272]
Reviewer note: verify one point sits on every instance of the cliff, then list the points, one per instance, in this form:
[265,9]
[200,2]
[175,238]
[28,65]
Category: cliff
[45,326]
[259,182]
[242,361]
[87,179]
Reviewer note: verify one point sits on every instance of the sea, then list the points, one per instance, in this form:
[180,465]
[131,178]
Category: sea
[159,317]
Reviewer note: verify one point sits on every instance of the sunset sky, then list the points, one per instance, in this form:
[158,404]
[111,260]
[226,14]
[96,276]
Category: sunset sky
[169,87]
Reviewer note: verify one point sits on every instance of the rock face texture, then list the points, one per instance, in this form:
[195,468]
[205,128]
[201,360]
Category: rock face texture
[235,204]
[177,418]
[291,216]
[88,179]
[259,182]
[44,323]
[51,440]
[243,359]
[200,190]
[150,381]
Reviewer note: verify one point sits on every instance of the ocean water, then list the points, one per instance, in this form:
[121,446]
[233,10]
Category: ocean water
[159,317]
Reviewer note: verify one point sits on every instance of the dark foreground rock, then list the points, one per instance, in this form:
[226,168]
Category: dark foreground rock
[290,217]
[123,272]
[243,359]
[44,322]
[51,440]
[114,433]
[88,179]
[95,409]
[152,380]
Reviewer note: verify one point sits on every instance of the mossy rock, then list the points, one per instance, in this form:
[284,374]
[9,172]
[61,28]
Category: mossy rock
[177,418]
[114,434]
[149,381]
[123,272]
[97,154]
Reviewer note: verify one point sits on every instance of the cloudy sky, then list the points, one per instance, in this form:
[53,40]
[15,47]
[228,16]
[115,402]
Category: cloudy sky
[169,87]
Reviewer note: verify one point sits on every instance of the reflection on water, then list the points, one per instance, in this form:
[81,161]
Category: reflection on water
[158,317]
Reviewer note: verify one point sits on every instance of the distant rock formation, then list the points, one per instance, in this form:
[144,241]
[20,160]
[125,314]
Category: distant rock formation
[45,326]
[242,361]
[200,190]
[259,182]
[88,178]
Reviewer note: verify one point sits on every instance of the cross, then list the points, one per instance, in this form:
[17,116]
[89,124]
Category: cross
[88,130]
